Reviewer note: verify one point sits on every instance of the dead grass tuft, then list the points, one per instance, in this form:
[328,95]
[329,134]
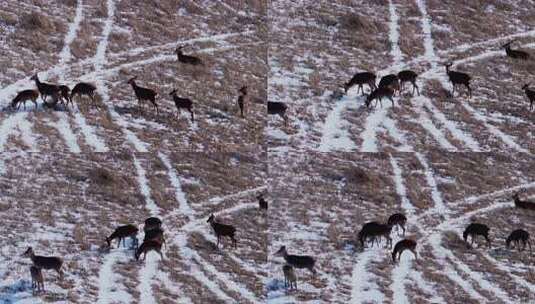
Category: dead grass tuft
[35,21]
[101,177]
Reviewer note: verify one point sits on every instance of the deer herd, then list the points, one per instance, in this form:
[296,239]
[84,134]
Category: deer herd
[373,232]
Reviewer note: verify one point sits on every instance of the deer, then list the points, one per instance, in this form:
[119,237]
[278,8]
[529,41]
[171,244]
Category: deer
[64,94]
[515,54]
[222,230]
[38,281]
[121,233]
[475,229]
[147,246]
[361,79]
[44,262]
[397,219]
[530,93]
[278,108]
[517,236]
[373,230]
[182,103]
[155,235]
[378,94]
[242,99]
[290,279]
[186,58]
[24,96]
[523,204]
[262,203]
[152,223]
[458,78]
[46,89]
[408,76]
[84,89]
[390,81]
[143,94]
[405,244]
[297,261]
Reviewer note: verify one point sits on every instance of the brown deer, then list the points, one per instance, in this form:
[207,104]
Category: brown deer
[398,219]
[44,262]
[182,103]
[262,203]
[65,94]
[155,235]
[408,76]
[297,261]
[147,246]
[475,229]
[360,79]
[24,96]
[523,204]
[143,94]
[290,279]
[375,230]
[401,246]
[121,233]
[242,99]
[222,230]
[458,78]
[515,54]
[378,94]
[517,236]
[530,93]
[278,108]
[83,88]
[46,89]
[186,58]
[38,281]
[152,223]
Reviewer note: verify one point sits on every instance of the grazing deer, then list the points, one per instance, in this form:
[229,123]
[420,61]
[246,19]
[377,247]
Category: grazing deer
[475,229]
[297,261]
[143,94]
[403,245]
[65,94]
[24,96]
[361,79]
[186,58]
[262,203]
[83,88]
[222,230]
[290,279]
[515,54]
[458,78]
[152,223]
[242,99]
[390,81]
[44,262]
[408,76]
[147,246]
[530,93]
[121,233]
[373,230]
[37,278]
[378,94]
[523,204]
[517,236]
[155,235]
[398,219]
[182,103]
[46,89]
[278,108]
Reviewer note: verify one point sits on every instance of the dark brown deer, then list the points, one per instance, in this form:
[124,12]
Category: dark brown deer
[38,281]
[84,89]
[389,81]
[155,235]
[515,54]
[475,229]
[361,79]
[242,99]
[278,108]
[65,94]
[187,58]
[290,279]
[517,236]
[44,262]
[408,76]
[530,93]
[121,233]
[143,94]
[152,223]
[222,230]
[401,246]
[46,89]
[378,94]
[375,230]
[458,78]
[262,203]
[297,261]
[147,246]
[24,96]
[398,219]
[182,103]
[523,204]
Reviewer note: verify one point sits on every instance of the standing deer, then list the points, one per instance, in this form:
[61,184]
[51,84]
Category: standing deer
[38,281]
[290,279]
[390,81]
[83,88]
[515,54]
[297,261]
[458,78]
[242,99]
[398,219]
[517,236]
[186,58]
[152,223]
[475,229]
[182,103]
[278,108]
[360,79]
[262,203]
[44,262]
[147,246]
[46,89]
[143,94]
[24,96]
[401,246]
[523,204]
[65,94]
[530,93]
[222,230]
[408,76]
[375,230]
[378,94]
[121,233]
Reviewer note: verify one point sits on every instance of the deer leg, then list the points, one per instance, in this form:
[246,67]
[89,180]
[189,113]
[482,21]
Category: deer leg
[192,118]
[391,99]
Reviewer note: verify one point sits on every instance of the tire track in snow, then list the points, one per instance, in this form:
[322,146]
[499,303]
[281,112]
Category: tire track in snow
[109,291]
[364,289]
